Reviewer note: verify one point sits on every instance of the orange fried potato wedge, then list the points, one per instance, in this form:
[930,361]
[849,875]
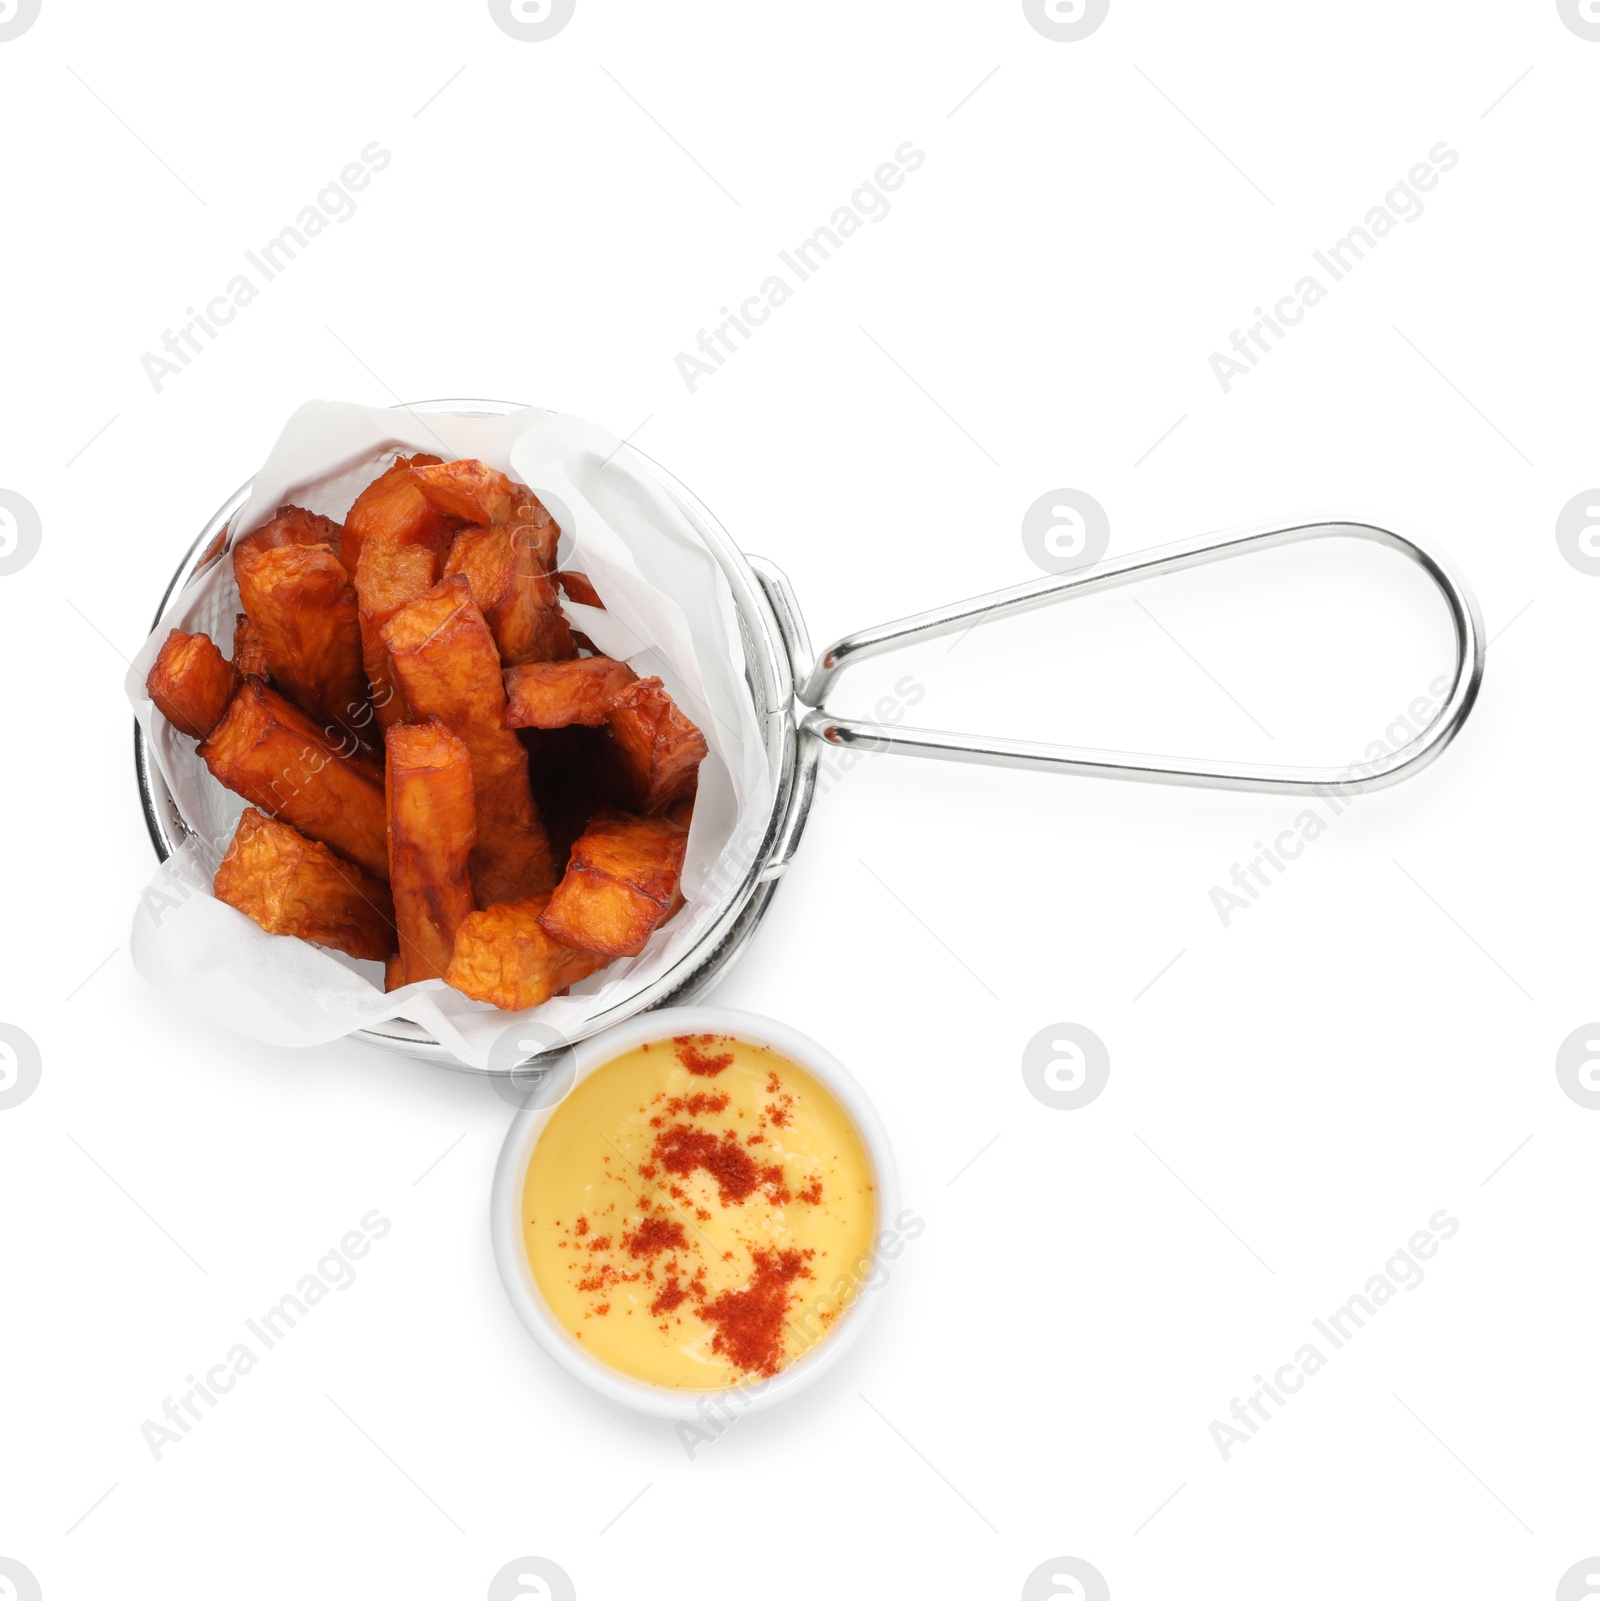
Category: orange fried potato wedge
[504,957]
[621,884]
[392,574]
[300,599]
[432,829]
[445,662]
[292,885]
[579,588]
[536,527]
[191,683]
[291,525]
[467,489]
[510,588]
[392,507]
[218,544]
[556,694]
[394,972]
[655,751]
[249,649]
[268,750]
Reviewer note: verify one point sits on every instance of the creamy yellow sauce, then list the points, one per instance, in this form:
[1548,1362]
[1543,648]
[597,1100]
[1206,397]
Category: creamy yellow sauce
[699,1213]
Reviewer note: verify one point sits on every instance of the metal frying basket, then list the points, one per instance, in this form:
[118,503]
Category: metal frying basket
[787,687]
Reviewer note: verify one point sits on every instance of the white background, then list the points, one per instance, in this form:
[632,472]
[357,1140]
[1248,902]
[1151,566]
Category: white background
[1290,1099]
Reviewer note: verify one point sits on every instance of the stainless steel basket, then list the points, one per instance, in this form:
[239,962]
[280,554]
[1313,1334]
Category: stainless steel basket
[787,686]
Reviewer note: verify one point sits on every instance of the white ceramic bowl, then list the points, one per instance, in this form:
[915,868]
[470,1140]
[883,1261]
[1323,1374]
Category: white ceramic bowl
[505,1209]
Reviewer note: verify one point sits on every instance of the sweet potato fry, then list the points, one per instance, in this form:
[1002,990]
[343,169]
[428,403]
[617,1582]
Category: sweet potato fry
[621,884]
[504,957]
[655,750]
[219,543]
[579,588]
[536,527]
[392,574]
[432,828]
[467,489]
[555,694]
[299,598]
[518,601]
[291,525]
[249,649]
[191,683]
[292,885]
[392,507]
[268,750]
[445,662]
[394,972]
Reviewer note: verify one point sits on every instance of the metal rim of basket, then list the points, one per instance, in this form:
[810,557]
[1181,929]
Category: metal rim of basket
[776,655]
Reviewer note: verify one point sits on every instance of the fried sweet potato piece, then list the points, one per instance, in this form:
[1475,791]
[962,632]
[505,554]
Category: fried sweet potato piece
[249,649]
[655,750]
[535,527]
[219,543]
[300,599]
[268,750]
[467,489]
[394,972]
[621,884]
[392,574]
[504,957]
[518,601]
[292,885]
[579,588]
[432,828]
[191,683]
[392,507]
[555,694]
[445,662]
[291,525]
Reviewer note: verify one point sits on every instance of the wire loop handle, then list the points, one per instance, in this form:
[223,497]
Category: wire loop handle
[1110,574]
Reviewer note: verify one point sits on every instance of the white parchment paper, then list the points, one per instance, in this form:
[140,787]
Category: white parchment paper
[668,612]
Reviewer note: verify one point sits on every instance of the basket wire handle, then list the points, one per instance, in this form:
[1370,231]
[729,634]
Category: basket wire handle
[1109,574]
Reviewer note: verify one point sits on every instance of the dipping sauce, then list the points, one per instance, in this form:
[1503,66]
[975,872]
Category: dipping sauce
[699,1212]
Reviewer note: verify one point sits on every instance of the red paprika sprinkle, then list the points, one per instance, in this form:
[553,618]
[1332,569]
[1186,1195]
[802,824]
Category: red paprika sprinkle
[681,1149]
[655,1235]
[749,1322]
[695,1104]
[670,1297]
[698,1061]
